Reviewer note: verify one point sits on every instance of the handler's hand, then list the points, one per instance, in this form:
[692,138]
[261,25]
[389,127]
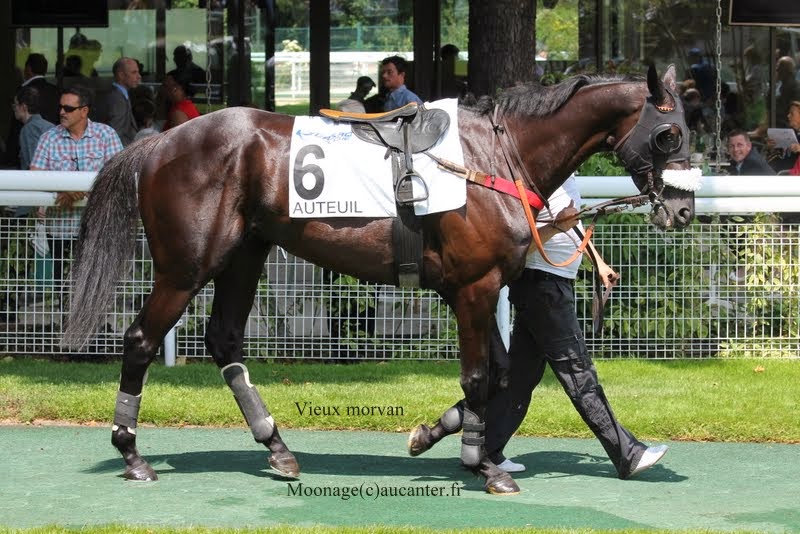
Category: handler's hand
[608,275]
[567,218]
[66,199]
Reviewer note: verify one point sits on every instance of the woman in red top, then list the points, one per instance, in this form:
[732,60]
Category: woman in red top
[794,123]
[179,91]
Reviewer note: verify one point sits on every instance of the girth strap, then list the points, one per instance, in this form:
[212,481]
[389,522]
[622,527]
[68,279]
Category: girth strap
[407,243]
[407,239]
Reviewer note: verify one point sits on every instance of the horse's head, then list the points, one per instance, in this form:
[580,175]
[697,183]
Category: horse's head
[655,150]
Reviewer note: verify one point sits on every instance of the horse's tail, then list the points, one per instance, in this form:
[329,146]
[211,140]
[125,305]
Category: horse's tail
[106,241]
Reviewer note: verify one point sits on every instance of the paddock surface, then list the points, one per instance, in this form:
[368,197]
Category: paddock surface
[69,476]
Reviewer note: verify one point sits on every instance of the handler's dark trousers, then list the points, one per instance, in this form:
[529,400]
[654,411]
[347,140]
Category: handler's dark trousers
[546,330]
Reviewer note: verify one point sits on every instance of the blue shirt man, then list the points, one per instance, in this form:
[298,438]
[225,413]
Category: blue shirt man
[393,76]
[26,110]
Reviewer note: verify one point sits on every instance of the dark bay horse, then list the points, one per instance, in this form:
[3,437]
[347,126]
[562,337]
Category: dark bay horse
[212,195]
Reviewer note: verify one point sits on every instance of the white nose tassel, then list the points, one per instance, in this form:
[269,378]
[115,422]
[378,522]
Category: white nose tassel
[685,180]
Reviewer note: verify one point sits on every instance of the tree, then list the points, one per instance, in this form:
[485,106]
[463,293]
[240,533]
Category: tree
[502,44]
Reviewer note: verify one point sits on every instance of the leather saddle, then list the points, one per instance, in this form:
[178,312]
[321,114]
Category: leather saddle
[404,131]
[422,127]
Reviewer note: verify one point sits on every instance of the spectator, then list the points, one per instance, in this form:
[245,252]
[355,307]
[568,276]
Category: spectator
[355,103]
[76,144]
[452,86]
[185,67]
[744,160]
[731,109]
[787,90]
[393,77]
[696,113]
[755,77]
[703,73]
[144,111]
[89,52]
[119,107]
[33,75]
[72,67]
[179,91]
[26,110]
[780,159]
[794,122]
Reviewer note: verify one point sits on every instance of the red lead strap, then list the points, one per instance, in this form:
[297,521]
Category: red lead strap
[506,186]
[496,183]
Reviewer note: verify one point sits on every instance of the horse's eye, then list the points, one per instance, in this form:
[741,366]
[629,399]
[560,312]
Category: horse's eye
[666,139]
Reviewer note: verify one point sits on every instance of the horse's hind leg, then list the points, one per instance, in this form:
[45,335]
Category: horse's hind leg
[234,291]
[161,311]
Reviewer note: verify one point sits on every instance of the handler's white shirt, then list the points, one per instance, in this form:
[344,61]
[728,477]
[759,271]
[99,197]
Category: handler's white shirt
[562,245]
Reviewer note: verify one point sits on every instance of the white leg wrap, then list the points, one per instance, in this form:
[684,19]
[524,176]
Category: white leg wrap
[255,412]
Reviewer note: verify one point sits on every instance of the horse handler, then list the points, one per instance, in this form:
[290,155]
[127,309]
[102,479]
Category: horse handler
[546,331]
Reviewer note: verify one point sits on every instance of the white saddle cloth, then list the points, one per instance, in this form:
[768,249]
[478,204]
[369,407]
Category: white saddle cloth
[335,174]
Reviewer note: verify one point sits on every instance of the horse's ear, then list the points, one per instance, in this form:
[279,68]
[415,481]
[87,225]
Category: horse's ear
[663,98]
[670,78]
[654,84]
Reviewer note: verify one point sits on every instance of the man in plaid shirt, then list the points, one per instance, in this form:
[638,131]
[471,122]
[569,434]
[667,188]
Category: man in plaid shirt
[76,144]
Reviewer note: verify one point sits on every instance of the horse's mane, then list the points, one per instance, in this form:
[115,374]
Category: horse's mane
[537,100]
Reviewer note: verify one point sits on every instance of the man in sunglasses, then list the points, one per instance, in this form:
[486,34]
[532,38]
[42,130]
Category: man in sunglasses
[76,144]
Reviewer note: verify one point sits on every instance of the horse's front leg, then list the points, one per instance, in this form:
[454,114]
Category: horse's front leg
[474,308]
[424,437]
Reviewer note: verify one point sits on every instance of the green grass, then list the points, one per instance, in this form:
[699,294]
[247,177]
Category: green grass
[288,529]
[730,400]
[708,400]
[293,109]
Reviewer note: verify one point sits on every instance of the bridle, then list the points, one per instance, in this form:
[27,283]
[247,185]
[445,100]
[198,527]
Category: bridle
[656,139]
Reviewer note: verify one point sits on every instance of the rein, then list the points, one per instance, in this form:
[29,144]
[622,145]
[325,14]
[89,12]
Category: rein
[507,145]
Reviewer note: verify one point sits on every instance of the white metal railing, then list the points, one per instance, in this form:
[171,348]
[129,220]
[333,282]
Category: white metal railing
[723,288]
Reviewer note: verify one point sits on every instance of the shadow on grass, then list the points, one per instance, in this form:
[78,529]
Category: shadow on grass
[551,464]
[556,464]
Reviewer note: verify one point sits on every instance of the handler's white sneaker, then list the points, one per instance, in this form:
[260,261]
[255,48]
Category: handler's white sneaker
[510,467]
[649,459]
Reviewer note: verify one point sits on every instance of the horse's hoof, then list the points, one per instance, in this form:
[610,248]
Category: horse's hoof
[141,472]
[501,485]
[285,464]
[419,440]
